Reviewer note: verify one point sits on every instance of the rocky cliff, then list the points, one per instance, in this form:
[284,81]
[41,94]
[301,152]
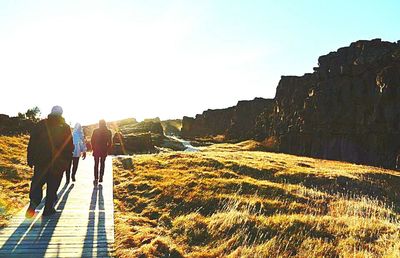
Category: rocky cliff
[347,109]
[250,120]
[209,123]
[239,122]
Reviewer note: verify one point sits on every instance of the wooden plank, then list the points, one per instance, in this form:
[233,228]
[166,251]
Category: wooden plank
[49,241]
[48,248]
[59,234]
[63,250]
[82,227]
[69,255]
[103,224]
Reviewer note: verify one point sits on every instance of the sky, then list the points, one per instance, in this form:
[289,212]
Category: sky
[118,59]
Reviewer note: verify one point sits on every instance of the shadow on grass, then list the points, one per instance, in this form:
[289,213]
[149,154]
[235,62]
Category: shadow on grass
[383,187]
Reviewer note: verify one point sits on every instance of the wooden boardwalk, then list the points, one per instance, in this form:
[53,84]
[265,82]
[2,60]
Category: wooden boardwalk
[82,227]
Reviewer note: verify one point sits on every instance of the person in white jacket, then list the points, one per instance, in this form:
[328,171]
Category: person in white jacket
[78,139]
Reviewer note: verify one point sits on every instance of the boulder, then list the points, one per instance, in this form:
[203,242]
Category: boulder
[172,144]
[127,163]
[138,143]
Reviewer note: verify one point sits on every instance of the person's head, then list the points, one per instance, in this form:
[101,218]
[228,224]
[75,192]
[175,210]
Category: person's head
[102,123]
[56,111]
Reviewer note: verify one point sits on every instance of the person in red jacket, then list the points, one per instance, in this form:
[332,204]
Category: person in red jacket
[49,153]
[101,145]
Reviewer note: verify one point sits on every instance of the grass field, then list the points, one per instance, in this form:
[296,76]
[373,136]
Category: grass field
[230,201]
[14,176]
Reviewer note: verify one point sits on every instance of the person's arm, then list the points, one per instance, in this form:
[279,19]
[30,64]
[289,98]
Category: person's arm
[83,146]
[93,140]
[69,147]
[31,150]
[109,141]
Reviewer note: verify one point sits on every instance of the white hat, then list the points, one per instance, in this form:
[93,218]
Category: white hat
[57,111]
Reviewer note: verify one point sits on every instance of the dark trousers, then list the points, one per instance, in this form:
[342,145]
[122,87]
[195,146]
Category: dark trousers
[49,176]
[73,164]
[97,160]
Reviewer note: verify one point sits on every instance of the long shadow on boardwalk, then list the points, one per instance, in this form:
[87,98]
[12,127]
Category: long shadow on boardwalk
[32,237]
[101,235]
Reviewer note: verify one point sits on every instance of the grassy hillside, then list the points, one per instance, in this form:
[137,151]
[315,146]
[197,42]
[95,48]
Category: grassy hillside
[14,176]
[220,202]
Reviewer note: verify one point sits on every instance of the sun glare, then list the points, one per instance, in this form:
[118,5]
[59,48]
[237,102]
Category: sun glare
[102,66]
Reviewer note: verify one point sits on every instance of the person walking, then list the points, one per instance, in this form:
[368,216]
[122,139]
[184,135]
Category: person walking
[101,145]
[78,138]
[49,152]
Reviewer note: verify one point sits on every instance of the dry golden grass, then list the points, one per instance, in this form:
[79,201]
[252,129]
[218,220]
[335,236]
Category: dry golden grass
[249,145]
[226,202]
[14,176]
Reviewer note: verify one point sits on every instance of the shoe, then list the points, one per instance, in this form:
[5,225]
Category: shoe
[95,182]
[49,212]
[73,178]
[101,180]
[30,213]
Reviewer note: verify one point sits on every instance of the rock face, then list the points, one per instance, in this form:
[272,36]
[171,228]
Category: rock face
[248,120]
[235,123]
[138,143]
[210,123]
[347,109]
[172,127]
[147,126]
[137,137]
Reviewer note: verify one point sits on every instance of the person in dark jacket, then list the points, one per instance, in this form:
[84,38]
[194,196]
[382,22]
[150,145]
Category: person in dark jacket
[49,153]
[101,145]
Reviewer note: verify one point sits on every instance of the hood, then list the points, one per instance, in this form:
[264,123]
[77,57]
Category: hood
[55,119]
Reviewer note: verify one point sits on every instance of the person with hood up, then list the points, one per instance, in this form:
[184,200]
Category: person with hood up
[101,145]
[49,153]
[78,139]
